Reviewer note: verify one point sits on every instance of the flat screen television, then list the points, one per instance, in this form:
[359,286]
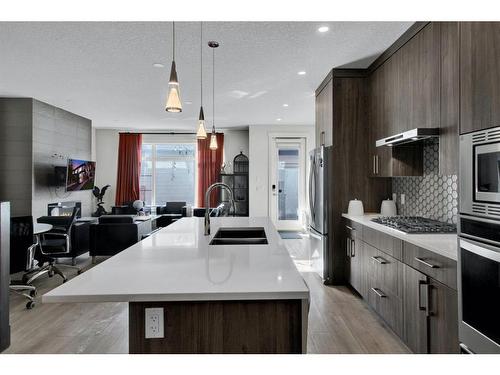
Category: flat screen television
[80,175]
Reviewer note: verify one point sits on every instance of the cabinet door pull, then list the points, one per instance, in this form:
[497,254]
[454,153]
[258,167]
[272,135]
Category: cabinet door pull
[377,162]
[379,293]
[420,307]
[348,247]
[350,228]
[379,260]
[420,260]
[353,245]
[374,167]
[428,311]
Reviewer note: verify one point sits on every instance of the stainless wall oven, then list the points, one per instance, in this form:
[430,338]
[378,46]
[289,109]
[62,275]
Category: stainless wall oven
[479,242]
[480,173]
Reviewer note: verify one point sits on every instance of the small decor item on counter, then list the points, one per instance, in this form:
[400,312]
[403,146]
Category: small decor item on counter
[355,208]
[388,208]
[223,168]
[99,194]
[189,210]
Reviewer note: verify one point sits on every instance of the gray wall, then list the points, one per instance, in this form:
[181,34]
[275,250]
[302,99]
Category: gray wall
[50,136]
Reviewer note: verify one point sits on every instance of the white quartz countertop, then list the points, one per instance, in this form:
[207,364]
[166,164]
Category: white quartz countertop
[178,264]
[442,244]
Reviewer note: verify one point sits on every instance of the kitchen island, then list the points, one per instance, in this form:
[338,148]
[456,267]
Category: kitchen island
[215,298]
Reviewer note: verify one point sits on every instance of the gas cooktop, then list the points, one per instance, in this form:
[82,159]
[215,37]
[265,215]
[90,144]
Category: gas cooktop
[415,224]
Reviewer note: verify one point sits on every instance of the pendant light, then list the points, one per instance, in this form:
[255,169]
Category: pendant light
[201,133]
[174,98]
[213,137]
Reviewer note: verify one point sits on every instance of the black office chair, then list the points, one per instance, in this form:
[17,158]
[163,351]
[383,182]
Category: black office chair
[22,252]
[56,244]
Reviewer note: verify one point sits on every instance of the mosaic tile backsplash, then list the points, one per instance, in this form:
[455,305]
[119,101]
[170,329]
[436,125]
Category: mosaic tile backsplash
[432,195]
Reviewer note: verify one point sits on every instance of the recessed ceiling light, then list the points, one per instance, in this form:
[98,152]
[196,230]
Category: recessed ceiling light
[301,73]
[278,119]
[285,105]
[158,65]
[323,29]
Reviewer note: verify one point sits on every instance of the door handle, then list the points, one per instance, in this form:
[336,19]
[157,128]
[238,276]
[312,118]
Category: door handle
[379,293]
[430,265]
[379,260]
[419,296]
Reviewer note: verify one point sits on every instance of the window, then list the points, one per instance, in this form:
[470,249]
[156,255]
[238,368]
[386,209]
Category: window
[168,173]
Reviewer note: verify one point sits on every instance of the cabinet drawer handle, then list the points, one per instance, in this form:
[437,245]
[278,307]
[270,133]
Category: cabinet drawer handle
[350,228]
[379,293]
[420,307]
[420,260]
[379,260]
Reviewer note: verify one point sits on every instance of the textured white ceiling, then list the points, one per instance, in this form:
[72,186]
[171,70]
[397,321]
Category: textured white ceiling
[103,70]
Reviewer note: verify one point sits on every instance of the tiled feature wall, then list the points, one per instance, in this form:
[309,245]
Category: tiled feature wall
[433,195]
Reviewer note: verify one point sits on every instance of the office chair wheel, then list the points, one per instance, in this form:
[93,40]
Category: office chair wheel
[30,305]
[33,293]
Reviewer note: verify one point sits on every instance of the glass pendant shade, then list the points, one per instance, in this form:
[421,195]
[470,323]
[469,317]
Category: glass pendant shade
[174,97]
[213,141]
[201,133]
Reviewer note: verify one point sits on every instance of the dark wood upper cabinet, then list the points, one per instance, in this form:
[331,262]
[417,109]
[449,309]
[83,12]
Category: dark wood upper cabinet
[479,75]
[450,100]
[418,81]
[324,115]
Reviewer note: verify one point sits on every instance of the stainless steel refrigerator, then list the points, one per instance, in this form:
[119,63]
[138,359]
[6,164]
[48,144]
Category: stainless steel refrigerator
[318,211]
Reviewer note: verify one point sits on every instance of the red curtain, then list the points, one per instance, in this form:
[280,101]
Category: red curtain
[129,168]
[209,165]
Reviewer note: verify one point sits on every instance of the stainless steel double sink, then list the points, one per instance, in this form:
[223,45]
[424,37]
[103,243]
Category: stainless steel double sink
[240,236]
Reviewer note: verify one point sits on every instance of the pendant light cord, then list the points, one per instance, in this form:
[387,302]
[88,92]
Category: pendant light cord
[213,90]
[173,36]
[201,61]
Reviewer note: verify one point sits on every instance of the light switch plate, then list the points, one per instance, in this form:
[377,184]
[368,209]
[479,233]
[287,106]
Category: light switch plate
[402,199]
[153,320]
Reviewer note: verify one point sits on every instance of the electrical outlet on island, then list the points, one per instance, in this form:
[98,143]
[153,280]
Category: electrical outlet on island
[153,320]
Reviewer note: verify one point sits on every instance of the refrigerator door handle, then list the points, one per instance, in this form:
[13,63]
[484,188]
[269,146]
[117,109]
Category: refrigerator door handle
[311,204]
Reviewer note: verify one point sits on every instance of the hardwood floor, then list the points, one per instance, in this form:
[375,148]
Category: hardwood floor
[339,321]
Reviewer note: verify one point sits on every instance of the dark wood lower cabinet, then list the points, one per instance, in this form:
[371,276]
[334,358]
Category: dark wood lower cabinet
[414,310]
[420,309]
[212,327]
[443,319]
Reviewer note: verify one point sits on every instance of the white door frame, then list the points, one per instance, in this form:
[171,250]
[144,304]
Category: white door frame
[272,198]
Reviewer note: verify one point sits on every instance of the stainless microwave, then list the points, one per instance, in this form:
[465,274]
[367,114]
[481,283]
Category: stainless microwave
[480,173]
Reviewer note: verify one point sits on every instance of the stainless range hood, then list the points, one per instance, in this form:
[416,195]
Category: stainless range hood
[413,135]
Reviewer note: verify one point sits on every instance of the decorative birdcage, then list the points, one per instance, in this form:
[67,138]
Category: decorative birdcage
[240,163]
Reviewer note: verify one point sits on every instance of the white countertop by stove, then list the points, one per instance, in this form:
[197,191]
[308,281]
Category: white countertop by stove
[178,264]
[442,244]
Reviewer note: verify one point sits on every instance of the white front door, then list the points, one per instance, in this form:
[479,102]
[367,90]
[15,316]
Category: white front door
[287,180]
